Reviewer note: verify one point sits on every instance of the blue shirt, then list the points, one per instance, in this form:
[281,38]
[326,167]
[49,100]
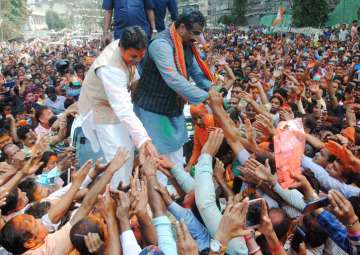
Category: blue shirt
[326,181]
[335,230]
[196,229]
[129,13]
[169,134]
[160,12]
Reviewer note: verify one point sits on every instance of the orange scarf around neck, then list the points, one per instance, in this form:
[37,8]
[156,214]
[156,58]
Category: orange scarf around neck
[180,56]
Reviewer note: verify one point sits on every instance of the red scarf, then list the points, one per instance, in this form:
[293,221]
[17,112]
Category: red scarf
[180,56]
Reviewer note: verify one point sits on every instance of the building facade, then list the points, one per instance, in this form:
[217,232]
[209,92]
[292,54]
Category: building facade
[215,9]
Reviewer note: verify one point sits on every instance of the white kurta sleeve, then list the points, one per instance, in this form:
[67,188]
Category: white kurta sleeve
[115,85]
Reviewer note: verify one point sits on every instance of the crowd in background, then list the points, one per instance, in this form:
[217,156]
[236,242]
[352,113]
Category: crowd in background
[278,98]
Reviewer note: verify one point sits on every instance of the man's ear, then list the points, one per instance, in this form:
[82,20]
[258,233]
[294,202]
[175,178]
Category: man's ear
[29,244]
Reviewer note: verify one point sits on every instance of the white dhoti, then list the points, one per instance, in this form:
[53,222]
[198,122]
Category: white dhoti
[105,106]
[111,138]
[177,158]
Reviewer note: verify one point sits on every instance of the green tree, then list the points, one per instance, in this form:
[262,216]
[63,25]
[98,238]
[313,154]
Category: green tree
[237,16]
[309,13]
[227,19]
[13,16]
[54,21]
[239,12]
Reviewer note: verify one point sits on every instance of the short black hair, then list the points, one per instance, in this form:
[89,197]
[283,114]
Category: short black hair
[78,67]
[39,209]
[84,227]
[45,158]
[281,229]
[50,90]
[11,202]
[22,132]
[13,239]
[29,186]
[39,112]
[190,18]
[315,235]
[133,38]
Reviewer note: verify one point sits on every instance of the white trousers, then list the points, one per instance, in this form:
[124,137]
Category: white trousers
[111,138]
[177,158]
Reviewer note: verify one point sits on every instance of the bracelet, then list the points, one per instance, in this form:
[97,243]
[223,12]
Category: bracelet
[352,224]
[248,237]
[254,251]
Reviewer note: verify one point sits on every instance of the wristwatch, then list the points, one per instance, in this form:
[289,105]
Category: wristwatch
[154,31]
[217,247]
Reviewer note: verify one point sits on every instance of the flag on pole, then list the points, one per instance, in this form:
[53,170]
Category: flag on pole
[280,15]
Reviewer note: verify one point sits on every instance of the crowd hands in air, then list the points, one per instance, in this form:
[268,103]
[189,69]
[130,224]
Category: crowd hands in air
[262,81]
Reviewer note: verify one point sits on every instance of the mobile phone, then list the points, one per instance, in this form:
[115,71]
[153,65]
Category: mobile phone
[253,216]
[298,238]
[313,205]
[9,84]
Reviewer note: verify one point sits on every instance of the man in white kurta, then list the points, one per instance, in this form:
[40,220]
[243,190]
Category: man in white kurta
[105,102]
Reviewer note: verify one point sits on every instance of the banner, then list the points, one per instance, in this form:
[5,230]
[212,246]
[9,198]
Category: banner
[289,146]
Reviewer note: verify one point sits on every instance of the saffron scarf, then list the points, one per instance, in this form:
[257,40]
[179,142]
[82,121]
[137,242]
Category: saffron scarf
[180,56]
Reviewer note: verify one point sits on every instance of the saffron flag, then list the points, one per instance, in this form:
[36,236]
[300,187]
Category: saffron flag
[280,16]
[289,145]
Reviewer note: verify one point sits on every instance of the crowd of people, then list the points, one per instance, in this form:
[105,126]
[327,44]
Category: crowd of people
[273,165]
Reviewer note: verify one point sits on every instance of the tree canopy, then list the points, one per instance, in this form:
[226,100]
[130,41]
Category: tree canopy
[54,21]
[237,16]
[308,13]
[13,16]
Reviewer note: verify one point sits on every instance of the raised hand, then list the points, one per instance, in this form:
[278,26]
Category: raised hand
[165,163]
[264,126]
[342,208]
[164,194]
[277,72]
[266,226]
[222,61]
[149,167]
[109,205]
[219,170]
[286,115]
[261,172]
[250,135]
[66,162]
[146,150]
[329,73]
[233,222]
[93,242]
[138,194]
[213,143]
[122,211]
[246,96]
[32,165]
[79,176]
[40,146]
[216,101]
[185,243]
[118,161]
[98,169]
[303,184]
